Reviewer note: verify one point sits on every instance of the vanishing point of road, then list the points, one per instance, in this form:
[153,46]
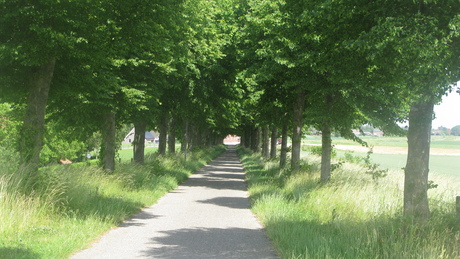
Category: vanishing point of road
[207,216]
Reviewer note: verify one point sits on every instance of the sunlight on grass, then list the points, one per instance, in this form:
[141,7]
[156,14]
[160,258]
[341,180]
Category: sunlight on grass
[352,216]
[63,208]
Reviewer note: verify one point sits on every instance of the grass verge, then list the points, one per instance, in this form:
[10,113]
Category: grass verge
[352,216]
[65,208]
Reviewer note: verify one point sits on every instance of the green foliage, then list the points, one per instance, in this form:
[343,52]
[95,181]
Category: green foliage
[318,150]
[455,131]
[350,158]
[61,145]
[8,126]
[372,168]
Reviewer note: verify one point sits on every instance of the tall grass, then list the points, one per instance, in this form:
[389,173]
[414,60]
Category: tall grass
[61,209]
[352,216]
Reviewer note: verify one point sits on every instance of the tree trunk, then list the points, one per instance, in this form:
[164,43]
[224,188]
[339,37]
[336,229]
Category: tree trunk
[163,134]
[255,140]
[191,136]
[297,124]
[32,132]
[183,144]
[417,166]
[139,141]
[172,137]
[265,142]
[246,138]
[108,142]
[326,149]
[273,142]
[284,137]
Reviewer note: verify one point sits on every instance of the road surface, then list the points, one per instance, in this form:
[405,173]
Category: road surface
[207,216]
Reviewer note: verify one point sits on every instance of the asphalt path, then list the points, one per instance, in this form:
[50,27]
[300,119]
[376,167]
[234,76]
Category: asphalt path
[207,216]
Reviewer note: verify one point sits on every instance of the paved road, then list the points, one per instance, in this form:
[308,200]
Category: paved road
[207,216]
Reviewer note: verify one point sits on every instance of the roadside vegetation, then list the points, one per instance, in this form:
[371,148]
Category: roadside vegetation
[354,215]
[61,209]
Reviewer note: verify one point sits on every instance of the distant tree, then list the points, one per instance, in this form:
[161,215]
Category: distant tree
[455,131]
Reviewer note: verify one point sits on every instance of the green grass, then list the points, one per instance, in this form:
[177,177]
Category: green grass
[441,165]
[126,154]
[450,142]
[352,216]
[64,208]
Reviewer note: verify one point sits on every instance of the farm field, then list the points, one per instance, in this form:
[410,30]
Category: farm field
[126,154]
[391,152]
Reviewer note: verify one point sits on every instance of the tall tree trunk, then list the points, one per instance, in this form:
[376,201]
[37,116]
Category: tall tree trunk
[32,132]
[183,144]
[211,140]
[417,166]
[163,134]
[246,138]
[255,140]
[108,142]
[139,141]
[273,141]
[191,136]
[326,149]
[194,137]
[265,141]
[297,124]
[172,137]
[242,139]
[284,138]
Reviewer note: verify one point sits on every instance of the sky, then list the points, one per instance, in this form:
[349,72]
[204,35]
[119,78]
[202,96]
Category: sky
[448,111]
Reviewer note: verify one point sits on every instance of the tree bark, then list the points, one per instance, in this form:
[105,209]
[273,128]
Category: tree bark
[194,137]
[139,141]
[273,141]
[108,142]
[172,137]
[183,144]
[163,134]
[255,140]
[246,138]
[457,209]
[326,149]
[297,123]
[32,131]
[265,141]
[191,136]
[417,166]
[284,137]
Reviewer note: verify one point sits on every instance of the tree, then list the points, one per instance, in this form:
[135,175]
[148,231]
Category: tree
[412,47]
[455,131]
[35,38]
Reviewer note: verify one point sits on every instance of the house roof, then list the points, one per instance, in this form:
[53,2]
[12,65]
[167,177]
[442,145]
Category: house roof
[149,135]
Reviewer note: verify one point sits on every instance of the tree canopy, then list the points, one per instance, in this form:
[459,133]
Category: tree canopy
[199,70]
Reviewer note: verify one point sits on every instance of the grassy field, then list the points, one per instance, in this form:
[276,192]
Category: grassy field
[352,216]
[448,165]
[449,142]
[62,209]
[126,154]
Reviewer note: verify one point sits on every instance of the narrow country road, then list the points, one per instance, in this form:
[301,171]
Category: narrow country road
[207,216]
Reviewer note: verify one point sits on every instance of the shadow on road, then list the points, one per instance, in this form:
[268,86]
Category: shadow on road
[208,243]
